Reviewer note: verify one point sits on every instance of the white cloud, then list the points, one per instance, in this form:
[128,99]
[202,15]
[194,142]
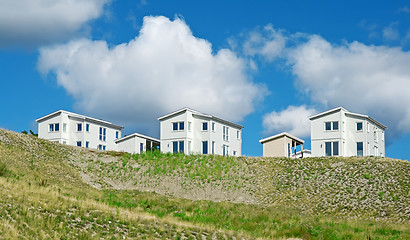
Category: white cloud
[32,22]
[390,33]
[373,80]
[269,44]
[294,120]
[163,69]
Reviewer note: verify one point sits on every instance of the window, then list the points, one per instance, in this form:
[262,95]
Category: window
[101,147]
[54,127]
[87,127]
[375,134]
[141,147]
[79,127]
[213,126]
[234,153]
[359,126]
[238,135]
[117,134]
[368,149]
[103,134]
[64,142]
[204,126]
[331,148]
[332,126]
[189,147]
[376,151]
[78,143]
[189,126]
[225,136]
[213,147]
[178,146]
[225,150]
[174,147]
[87,144]
[204,147]
[65,127]
[328,126]
[359,147]
[368,127]
[178,126]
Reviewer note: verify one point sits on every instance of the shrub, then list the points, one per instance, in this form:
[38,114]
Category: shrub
[3,169]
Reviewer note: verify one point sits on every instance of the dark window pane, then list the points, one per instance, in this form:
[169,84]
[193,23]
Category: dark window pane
[359,126]
[181,146]
[79,127]
[79,144]
[360,149]
[335,125]
[328,148]
[205,147]
[57,127]
[181,126]
[335,148]
[174,147]
[205,126]
[328,126]
[174,126]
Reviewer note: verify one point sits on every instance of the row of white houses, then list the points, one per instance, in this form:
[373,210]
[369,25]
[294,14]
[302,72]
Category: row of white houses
[185,130]
[336,132]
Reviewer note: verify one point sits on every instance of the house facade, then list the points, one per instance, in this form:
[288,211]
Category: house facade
[190,131]
[137,143]
[282,145]
[79,130]
[338,132]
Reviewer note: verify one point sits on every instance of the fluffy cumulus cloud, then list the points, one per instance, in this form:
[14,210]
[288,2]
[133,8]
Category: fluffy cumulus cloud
[163,69]
[32,22]
[294,120]
[373,80]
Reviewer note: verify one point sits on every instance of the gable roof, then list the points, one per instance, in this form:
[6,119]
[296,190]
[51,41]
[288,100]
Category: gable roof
[348,113]
[70,114]
[197,113]
[136,135]
[281,135]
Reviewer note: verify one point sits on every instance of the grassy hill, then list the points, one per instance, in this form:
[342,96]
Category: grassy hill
[49,191]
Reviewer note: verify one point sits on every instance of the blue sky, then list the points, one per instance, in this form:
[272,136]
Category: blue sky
[266,65]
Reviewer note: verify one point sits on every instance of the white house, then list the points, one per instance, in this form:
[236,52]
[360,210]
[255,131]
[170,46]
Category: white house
[79,130]
[190,131]
[137,143]
[338,132]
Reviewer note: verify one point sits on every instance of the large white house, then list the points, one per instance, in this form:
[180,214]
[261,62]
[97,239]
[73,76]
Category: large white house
[338,132]
[79,130]
[190,131]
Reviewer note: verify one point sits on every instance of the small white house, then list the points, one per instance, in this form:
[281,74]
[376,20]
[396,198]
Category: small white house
[137,143]
[79,130]
[338,132]
[190,131]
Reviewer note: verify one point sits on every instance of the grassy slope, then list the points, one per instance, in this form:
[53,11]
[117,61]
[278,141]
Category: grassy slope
[42,195]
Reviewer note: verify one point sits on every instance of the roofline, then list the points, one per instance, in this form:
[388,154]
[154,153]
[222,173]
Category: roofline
[71,114]
[327,112]
[136,135]
[280,135]
[199,114]
[347,112]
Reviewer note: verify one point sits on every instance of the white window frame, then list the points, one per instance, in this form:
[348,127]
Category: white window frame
[238,135]
[52,127]
[225,133]
[202,126]
[213,126]
[78,126]
[178,126]
[102,134]
[87,127]
[332,152]
[64,127]
[357,150]
[362,126]
[331,126]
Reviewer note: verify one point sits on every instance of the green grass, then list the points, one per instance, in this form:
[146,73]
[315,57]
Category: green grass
[43,196]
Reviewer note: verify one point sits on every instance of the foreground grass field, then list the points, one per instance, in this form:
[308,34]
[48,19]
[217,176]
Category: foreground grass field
[43,195]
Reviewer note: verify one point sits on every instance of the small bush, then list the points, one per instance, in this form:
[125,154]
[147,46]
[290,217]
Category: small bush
[3,169]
